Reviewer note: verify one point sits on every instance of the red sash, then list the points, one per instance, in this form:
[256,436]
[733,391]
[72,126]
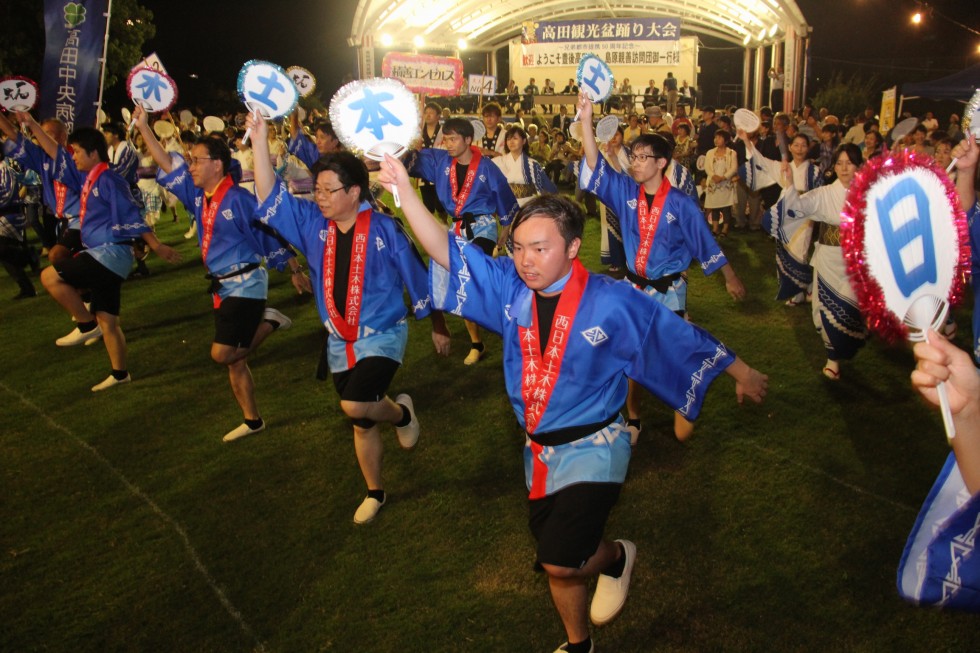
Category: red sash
[209,213]
[649,218]
[60,195]
[93,176]
[460,195]
[346,325]
[541,372]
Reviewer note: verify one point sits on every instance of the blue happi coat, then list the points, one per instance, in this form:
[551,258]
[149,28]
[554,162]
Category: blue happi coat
[392,263]
[236,241]
[112,216]
[31,157]
[491,194]
[681,236]
[618,332]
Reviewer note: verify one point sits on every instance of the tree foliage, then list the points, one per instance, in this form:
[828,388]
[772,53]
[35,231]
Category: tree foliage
[847,97]
[22,36]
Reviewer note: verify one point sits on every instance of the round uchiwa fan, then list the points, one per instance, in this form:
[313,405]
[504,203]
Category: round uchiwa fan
[905,242]
[18,93]
[375,117]
[906,246]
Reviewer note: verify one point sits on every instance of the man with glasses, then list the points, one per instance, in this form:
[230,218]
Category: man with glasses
[361,260]
[474,191]
[663,229]
[232,249]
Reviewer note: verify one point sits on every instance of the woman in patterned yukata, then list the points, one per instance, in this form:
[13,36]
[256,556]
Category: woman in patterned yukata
[524,175]
[360,260]
[792,238]
[835,308]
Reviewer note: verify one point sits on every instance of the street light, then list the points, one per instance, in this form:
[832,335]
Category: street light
[916,18]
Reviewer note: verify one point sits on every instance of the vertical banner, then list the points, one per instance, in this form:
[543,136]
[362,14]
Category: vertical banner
[791,84]
[75,35]
[365,57]
[886,119]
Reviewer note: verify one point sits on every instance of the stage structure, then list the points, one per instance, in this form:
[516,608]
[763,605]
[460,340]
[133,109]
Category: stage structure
[773,33]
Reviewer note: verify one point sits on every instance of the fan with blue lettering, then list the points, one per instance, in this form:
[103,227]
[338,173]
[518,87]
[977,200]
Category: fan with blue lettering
[374,117]
[905,242]
[594,78]
[265,88]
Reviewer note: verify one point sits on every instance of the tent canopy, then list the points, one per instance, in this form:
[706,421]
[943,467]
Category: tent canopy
[487,25]
[958,86]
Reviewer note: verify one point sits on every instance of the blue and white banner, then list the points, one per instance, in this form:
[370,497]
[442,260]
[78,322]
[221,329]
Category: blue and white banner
[75,34]
[618,41]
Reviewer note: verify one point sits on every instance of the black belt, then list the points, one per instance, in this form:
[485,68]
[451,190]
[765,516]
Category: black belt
[216,279]
[467,220]
[570,434]
[661,285]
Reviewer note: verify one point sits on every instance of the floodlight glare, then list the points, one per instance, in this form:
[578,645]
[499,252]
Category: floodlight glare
[386,40]
[418,41]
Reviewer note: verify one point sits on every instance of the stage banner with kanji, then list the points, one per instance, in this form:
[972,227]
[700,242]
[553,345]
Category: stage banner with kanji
[423,73]
[75,35]
[618,41]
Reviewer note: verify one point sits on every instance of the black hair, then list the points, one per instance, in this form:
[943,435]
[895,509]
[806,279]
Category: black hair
[326,127]
[350,170]
[517,129]
[435,107]
[685,127]
[90,139]
[459,126]
[725,134]
[492,107]
[218,150]
[567,215]
[114,128]
[659,146]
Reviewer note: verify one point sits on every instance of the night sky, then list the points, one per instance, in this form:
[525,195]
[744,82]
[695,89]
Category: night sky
[213,39]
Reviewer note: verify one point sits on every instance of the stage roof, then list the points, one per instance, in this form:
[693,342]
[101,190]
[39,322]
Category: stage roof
[487,25]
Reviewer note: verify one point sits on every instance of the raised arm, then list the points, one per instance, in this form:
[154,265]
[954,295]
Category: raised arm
[265,175]
[47,143]
[939,361]
[8,128]
[966,153]
[153,146]
[588,131]
[430,232]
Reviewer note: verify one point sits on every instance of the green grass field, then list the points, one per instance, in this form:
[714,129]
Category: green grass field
[126,524]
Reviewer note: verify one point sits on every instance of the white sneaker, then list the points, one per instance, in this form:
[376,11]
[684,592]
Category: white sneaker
[76,337]
[634,430]
[192,231]
[368,510]
[407,435]
[109,382]
[610,593]
[275,316]
[564,648]
[241,432]
[89,343]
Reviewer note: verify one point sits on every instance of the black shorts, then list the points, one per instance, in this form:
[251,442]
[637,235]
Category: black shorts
[368,380]
[72,239]
[568,525]
[83,272]
[236,320]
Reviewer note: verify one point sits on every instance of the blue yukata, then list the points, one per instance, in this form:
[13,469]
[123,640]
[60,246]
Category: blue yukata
[30,156]
[491,194]
[793,237]
[303,149]
[112,217]
[391,264]
[236,242]
[682,233]
[617,332]
[940,565]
